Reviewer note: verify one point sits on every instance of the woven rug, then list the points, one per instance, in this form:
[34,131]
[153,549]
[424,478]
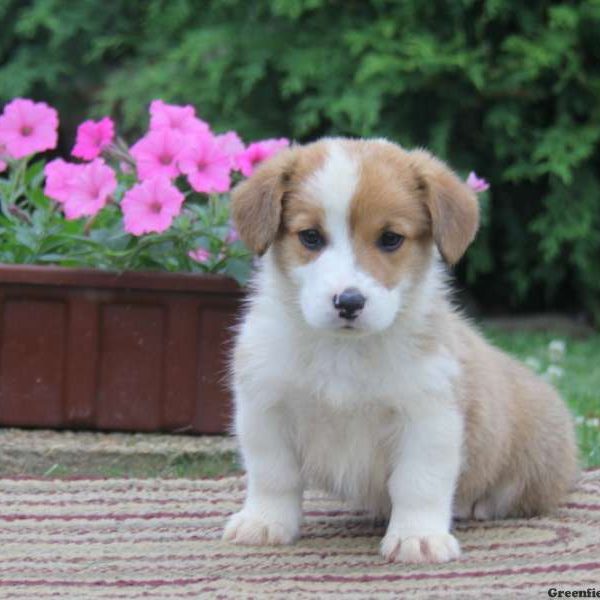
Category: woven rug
[161,539]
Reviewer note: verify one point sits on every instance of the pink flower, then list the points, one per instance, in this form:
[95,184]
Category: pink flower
[231,144]
[181,119]
[59,179]
[3,166]
[91,186]
[157,153]
[201,255]
[232,236]
[206,165]
[477,184]
[93,137]
[27,127]
[259,151]
[151,206]
[82,189]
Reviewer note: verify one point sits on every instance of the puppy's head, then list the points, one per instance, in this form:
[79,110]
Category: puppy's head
[352,225]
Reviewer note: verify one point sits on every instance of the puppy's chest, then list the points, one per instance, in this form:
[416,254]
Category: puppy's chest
[347,452]
[365,376]
[346,377]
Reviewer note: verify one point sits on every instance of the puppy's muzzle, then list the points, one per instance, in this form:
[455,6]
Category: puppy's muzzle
[349,303]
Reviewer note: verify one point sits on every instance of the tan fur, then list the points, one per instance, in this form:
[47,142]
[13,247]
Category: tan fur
[520,450]
[257,203]
[451,203]
[299,213]
[520,444]
[385,201]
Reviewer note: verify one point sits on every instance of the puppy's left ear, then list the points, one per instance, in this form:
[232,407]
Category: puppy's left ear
[452,205]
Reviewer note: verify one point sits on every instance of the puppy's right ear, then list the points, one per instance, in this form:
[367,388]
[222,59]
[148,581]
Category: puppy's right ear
[256,203]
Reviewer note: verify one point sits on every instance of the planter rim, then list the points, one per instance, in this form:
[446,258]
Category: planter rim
[97,278]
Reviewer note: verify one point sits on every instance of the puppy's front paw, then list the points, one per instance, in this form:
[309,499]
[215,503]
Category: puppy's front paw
[253,530]
[436,548]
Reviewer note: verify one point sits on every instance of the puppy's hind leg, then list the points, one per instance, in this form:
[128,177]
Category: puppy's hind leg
[499,502]
[462,510]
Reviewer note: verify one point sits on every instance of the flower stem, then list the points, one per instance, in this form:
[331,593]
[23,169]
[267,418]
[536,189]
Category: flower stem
[17,176]
[13,209]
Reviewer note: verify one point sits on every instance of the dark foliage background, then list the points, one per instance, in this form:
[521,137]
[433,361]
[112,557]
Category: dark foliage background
[506,88]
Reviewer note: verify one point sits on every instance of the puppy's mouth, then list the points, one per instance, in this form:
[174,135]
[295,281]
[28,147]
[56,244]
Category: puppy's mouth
[350,331]
[350,325]
[346,329]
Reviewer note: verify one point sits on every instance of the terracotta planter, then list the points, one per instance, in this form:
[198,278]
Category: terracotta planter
[97,350]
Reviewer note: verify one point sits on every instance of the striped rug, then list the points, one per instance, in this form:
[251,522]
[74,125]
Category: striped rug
[111,539]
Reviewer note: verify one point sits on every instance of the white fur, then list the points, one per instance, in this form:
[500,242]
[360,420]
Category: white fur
[371,418]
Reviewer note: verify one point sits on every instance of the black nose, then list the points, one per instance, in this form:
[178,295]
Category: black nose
[349,303]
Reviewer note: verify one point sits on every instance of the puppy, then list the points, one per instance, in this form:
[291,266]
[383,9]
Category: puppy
[353,373]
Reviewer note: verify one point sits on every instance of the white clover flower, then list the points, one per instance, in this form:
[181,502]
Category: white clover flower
[533,363]
[556,350]
[592,422]
[554,373]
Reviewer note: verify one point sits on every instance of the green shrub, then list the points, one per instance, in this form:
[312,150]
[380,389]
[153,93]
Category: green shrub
[509,89]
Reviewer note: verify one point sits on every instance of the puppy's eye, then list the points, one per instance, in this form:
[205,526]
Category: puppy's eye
[389,241]
[312,239]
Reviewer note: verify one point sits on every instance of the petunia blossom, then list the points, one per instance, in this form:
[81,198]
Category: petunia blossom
[232,236]
[181,119]
[151,206]
[231,144]
[90,188]
[93,137]
[259,151]
[3,166]
[157,154]
[59,179]
[27,127]
[207,167]
[201,255]
[477,184]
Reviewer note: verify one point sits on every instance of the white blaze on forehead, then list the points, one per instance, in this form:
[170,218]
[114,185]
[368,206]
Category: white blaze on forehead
[334,184]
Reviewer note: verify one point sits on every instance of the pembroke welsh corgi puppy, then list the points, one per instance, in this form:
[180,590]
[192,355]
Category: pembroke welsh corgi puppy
[352,371]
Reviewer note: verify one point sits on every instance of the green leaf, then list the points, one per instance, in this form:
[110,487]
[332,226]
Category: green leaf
[34,174]
[240,270]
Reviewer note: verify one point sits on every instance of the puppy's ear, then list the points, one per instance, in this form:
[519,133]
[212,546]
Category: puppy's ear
[452,205]
[256,203]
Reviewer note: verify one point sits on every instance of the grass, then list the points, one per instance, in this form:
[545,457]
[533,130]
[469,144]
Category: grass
[183,465]
[579,382]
